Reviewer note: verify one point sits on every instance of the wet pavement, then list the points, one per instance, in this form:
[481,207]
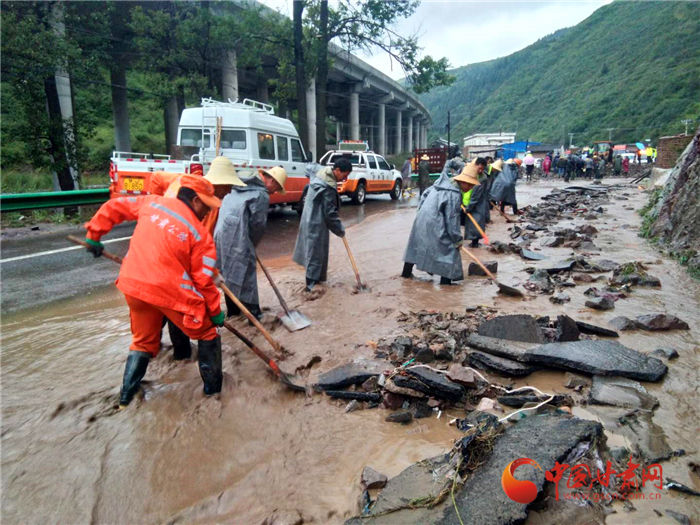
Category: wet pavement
[258,449]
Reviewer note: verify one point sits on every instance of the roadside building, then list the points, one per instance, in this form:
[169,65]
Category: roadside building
[485,144]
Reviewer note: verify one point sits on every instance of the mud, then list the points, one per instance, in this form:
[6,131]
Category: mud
[258,450]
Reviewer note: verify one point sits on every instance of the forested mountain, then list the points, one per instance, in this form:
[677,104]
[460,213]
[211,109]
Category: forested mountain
[633,66]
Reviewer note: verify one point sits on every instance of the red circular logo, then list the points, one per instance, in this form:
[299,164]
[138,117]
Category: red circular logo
[521,491]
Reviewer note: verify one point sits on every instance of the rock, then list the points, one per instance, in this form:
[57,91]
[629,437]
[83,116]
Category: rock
[535,227]
[574,381]
[657,322]
[391,386]
[421,410]
[587,229]
[371,384]
[667,353]
[433,403]
[606,265]
[561,266]
[529,255]
[359,396]
[352,406]
[425,355]
[501,365]
[475,269]
[551,242]
[650,281]
[519,327]
[560,298]
[620,454]
[620,392]
[608,358]
[584,278]
[356,372]
[680,518]
[461,375]
[567,329]
[400,417]
[540,281]
[402,346]
[371,479]
[434,384]
[487,404]
[622,323]
[518,401]
[600,303]
[392,401]
[592,329]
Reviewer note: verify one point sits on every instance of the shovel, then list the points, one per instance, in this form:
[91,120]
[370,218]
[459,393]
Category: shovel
[504,215]
[284,378]
[360,286]
[105,254]
[478,228]
[292,320]
[502,288]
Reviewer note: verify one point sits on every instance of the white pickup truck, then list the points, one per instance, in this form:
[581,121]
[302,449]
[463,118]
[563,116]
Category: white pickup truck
[249,134]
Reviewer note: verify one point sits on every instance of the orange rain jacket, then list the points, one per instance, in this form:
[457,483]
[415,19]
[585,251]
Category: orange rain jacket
[168,184]
[171,261]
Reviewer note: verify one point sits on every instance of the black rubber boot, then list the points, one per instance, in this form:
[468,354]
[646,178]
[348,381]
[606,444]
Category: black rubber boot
[407,270]
[254,309]
[135,369]
[209,358]
[475,243]
[445,280]
[310,283]
[181,343]
[231,308]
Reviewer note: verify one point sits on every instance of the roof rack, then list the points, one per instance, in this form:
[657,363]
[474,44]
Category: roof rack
[249,104]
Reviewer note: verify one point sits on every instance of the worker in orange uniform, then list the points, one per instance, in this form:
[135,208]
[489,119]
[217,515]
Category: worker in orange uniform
[223,176]
[169,271]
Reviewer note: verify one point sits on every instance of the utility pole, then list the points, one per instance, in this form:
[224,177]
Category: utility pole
[449,144]
[610,130]
[686,122]
[571,139]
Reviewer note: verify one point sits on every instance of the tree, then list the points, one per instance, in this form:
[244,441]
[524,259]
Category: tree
[300,72]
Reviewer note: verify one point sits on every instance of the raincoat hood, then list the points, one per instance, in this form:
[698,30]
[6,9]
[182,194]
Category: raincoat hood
[326,175]
[445,183]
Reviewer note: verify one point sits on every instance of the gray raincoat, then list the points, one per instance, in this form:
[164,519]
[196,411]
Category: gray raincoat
[435,237]
[423,175]
[453,166]
[478,208]
[319,216]
[240,227]
[503,188]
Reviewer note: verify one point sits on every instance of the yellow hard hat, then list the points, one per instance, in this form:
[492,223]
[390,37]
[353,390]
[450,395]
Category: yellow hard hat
[223,173]
[280,175]
[469,174]
[498,165]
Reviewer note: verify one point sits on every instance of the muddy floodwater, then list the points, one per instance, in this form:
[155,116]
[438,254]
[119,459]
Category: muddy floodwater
[259,451]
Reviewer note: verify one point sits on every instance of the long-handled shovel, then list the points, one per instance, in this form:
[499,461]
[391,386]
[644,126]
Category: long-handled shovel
[360,286]
[105,254]
[283,377]
[504,215]
[504,289]
[478,228]
[292,320]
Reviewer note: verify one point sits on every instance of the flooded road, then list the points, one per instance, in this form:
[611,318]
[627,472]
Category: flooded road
[258,451]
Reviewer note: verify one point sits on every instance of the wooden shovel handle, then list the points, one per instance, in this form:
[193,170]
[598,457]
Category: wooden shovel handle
[354,264]
[251,318]
[105,253]
[262,355]
[274,286]
[477,261]
[478,228]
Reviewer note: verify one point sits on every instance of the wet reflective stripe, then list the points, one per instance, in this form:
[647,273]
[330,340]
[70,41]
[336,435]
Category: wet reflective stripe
[208,272]
[127,199]
[179,217]
[190,287]
[186,277]
[209,261]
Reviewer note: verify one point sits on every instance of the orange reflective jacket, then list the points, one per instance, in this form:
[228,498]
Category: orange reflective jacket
[171,261]
[168,184]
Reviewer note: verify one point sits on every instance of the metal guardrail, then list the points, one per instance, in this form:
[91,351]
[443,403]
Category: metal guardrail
[52,199]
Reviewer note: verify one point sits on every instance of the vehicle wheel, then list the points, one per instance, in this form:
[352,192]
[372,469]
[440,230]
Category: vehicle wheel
[359,195]
[301,203]
[396,190]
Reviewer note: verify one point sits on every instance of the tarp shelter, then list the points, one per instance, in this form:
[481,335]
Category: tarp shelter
[510,151]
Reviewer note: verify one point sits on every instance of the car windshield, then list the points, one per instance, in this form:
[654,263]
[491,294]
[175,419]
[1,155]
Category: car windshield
[355,159]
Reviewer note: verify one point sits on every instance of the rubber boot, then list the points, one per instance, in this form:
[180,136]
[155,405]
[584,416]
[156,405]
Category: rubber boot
[209,358]
[445,280]
[135,369]
[181,343]
[231,307]
[254,309]
[475,243]
[407,270]
[310,283]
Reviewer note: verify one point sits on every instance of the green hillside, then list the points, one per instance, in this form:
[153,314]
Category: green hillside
[633,66]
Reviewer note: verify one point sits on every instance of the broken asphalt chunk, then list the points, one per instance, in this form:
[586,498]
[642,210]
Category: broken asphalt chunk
[620,392]
[356,372]
[518,327]
[501,365]
[592,329]
[658,322]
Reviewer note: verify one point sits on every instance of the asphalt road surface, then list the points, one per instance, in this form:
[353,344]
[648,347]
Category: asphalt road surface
[41,268]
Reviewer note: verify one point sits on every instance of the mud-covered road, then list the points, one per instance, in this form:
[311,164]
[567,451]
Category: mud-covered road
[258,451]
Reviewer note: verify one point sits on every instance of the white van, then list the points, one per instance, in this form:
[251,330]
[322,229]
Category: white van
[371,173]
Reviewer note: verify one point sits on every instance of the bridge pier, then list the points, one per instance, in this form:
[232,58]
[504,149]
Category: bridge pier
[398,132]
[382,130]
[311,118]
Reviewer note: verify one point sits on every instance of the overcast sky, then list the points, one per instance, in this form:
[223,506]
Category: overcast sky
[467,32]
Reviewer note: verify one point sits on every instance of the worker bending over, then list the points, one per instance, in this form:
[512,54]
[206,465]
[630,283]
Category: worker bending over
[169,271]
[477,204]
[223,176]
[433,246]
[503,189]
[320,216]
[241,225]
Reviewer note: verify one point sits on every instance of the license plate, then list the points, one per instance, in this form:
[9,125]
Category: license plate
[133,184]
